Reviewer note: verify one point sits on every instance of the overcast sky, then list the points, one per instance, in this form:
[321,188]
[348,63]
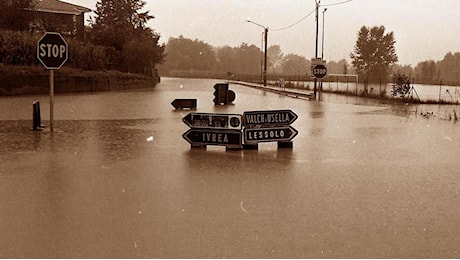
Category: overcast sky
[423,29]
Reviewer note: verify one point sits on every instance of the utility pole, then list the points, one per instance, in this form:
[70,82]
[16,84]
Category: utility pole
[265,49]
[322,51]
[322,41]
[265,55]
[316,48]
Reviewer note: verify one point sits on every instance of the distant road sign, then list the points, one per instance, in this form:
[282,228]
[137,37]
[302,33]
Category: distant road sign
[222,95]
[319,71]
[179,103]
[269,118]
[52,50]
[213,121]
[227,138]
[258,135]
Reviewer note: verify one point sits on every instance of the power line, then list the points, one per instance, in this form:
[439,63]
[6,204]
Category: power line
[292,25]
[305,17]
[338,3]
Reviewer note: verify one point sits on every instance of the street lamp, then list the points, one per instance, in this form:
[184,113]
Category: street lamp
[265,49]
[322,41]
[322,48]
[317,2]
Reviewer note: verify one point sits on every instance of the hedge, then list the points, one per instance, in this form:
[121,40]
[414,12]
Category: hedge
[20,49]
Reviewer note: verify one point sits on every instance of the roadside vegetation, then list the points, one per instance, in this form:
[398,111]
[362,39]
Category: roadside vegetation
[374,59]
[117,38]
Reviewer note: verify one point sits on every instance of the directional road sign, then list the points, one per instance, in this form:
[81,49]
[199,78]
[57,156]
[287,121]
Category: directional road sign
[269,118]
[52,50]
[227,138]
[213,121]
[182,103]
[280,134]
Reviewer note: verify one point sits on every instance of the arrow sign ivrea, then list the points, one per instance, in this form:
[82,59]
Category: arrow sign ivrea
[269,118]
[213,121]
[213,137]
[280,134]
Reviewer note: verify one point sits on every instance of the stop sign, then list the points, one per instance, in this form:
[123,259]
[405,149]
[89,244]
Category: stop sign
[319,71]
[52,50]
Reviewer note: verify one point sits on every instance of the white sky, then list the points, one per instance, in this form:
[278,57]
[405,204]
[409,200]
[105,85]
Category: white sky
[423,29]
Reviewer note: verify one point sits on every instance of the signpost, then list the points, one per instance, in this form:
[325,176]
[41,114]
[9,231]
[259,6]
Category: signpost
[182,103]
[52,52]
[228,129]
[213,129]
[203,137]
[269,126]
[269,118]
[213,121]
[276,134]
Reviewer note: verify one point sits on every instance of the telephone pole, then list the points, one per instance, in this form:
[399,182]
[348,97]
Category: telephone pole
[265,49]
[316,48]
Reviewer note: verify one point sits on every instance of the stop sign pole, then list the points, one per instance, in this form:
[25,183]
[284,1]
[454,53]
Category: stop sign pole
[52,52]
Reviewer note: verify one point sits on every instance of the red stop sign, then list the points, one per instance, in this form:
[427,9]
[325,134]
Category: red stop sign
[52,50]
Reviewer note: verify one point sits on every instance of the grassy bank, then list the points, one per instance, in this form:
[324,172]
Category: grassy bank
[32,80]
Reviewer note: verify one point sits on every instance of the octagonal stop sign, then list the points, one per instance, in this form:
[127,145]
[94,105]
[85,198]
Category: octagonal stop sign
[319,71]
[52,50]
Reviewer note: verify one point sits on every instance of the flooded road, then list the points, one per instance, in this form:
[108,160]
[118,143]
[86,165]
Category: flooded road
[117,180]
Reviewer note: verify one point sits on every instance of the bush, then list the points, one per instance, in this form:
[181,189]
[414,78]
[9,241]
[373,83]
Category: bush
[87,56]
[401,85]
[20,49]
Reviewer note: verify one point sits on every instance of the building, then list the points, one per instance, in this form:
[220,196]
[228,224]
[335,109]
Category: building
[59,16]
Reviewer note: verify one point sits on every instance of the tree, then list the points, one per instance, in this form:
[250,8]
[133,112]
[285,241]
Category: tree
[403,70]
[226,59]
[426,71]
[139,56]
[187,54]
[374,54]
[340,67]
[449,68]
[293,64]
[119,21]
[120,24]
[274,57]
[16,14]
[248,59]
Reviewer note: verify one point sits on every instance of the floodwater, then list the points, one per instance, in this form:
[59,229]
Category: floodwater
[419,92]
[117,180]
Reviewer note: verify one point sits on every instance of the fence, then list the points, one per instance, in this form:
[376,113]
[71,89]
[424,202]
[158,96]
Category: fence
[423,93]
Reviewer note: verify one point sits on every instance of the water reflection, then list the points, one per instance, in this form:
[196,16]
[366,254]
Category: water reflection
[233,192]
[109,139]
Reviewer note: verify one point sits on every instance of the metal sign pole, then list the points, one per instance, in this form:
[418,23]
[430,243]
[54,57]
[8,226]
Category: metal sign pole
[51,99]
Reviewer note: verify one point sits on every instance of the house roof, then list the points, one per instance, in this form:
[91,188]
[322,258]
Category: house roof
[56,6]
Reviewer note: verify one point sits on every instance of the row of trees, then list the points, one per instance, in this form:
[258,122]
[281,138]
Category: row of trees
[374,59]
[446,70]
[118,37]
[184,54]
